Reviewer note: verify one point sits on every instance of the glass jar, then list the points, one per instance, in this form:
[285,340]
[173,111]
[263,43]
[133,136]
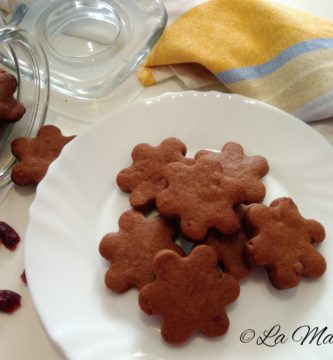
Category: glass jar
[22,56]
[92,46]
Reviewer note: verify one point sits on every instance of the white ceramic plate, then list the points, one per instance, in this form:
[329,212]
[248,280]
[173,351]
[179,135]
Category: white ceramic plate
[78,202]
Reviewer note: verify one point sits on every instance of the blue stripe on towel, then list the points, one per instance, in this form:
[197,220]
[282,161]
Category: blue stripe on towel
[319,108]
[255,72]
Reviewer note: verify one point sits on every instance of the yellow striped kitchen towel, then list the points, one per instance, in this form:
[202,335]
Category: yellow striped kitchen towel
[256,48]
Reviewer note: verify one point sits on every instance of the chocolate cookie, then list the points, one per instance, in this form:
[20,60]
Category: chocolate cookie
[202,197]
[190,294]
[230,249]
[284,242]
[35,155]
[11,110]
[248,169]
[144,178]
[131,250]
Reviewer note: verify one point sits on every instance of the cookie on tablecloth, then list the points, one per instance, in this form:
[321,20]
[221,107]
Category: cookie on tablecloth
[35,155]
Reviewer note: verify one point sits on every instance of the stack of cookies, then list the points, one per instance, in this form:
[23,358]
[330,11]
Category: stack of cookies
[214,201]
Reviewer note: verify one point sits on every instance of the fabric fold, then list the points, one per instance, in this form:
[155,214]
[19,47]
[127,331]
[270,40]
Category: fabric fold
[256,48]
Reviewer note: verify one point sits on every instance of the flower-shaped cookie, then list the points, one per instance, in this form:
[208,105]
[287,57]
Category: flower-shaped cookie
[144,179]
[35,155]
[11,110]
[202,197]
[131,250]
[230,249]
[284,242]
[249,169]
[189,293]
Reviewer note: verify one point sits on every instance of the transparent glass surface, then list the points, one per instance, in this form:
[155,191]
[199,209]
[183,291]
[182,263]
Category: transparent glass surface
[93,46]
[23,57]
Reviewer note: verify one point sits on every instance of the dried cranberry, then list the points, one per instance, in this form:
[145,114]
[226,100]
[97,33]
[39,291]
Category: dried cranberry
[9,301]
[24,278]
[8,236]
